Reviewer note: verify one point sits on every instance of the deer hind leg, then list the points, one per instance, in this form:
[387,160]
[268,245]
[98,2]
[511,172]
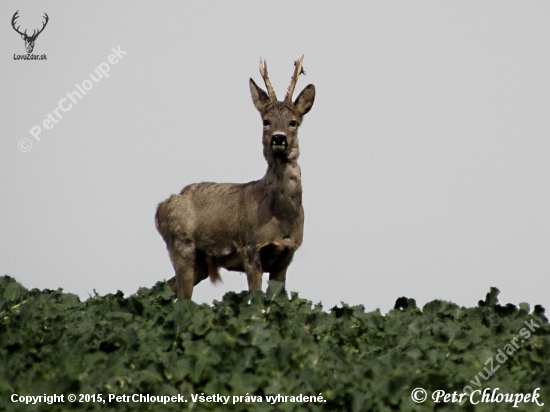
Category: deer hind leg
[201,267]
[183,259]
[172,284]
[205,267]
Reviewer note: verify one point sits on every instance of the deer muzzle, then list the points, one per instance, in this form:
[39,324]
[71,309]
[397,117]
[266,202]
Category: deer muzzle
[279,142]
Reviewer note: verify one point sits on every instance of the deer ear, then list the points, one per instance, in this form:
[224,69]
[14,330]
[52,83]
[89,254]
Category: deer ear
[305,100]
[259,97]
[23,36]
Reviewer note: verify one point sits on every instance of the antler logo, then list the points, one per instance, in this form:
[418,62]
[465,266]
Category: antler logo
[29,40]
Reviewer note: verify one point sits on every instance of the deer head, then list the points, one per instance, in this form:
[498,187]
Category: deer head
[281,119]
[29,40]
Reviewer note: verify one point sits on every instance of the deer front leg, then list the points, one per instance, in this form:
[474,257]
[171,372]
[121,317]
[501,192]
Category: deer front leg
[254,281]
[278,275]
[278,272]
[253,269]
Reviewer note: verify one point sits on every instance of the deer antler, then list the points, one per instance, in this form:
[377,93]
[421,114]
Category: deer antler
[15,16]
[43,26]
[34,34]
[263,72]
[298,70]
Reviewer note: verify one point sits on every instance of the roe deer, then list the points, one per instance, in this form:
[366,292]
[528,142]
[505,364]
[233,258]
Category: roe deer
[251,227]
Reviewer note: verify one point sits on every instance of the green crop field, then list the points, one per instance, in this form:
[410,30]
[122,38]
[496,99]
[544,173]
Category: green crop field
[265,352]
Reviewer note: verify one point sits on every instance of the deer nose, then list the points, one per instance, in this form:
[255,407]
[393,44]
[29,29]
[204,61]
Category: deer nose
[278,140]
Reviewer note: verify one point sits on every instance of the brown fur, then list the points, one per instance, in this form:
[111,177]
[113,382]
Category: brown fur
[252,227]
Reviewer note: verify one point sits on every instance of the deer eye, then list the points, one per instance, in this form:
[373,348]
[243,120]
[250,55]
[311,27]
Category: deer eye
[293,123]
[266,122]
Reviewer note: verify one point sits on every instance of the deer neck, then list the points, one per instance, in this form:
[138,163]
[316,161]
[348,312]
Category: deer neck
[283,186]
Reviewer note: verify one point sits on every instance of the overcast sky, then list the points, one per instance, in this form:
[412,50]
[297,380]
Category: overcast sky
[425,159]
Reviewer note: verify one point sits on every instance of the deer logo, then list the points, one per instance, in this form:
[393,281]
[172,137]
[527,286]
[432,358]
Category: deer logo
[29,40]
[250,227]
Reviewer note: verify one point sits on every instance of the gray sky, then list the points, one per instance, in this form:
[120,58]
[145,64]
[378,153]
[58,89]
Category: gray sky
[425,159]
